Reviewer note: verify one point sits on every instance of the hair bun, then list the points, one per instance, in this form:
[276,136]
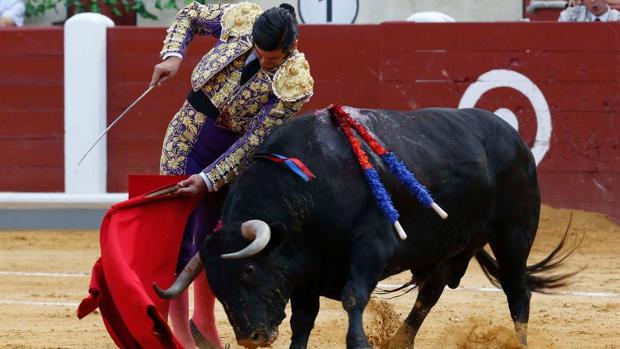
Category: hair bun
[290,9]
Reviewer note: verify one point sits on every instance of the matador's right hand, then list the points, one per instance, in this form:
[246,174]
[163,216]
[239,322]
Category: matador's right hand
[165,70]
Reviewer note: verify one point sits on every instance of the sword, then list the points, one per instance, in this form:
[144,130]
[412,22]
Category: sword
[166,191]
[115,121]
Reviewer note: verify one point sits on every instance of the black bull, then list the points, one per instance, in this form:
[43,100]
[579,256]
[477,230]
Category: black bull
[328,237]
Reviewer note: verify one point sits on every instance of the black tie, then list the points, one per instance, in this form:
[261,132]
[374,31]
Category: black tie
[249,70]
[597,19]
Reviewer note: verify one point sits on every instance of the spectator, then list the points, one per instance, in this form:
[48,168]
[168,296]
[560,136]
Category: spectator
[12,13]
[589,11]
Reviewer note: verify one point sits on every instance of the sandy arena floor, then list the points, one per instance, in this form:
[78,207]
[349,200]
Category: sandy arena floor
[38,310]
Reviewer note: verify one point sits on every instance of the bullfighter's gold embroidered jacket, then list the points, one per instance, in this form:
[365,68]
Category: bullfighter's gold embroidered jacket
[266,100]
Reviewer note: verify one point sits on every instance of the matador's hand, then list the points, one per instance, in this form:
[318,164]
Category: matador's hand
[192,186]
[165,70]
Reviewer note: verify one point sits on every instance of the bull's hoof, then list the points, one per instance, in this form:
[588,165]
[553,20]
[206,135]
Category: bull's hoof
[403,339]
[358,343]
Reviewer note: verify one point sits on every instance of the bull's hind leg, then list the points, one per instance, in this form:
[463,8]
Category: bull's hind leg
[428,295]
[511,252]
[513,224]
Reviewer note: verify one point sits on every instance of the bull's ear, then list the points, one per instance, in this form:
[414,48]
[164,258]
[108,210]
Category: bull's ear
[279,235]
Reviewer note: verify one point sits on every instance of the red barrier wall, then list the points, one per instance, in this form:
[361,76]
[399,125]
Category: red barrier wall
[31,109]
[579,79]
[392,65]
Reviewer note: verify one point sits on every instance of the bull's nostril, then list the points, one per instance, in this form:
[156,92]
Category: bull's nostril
[255,337]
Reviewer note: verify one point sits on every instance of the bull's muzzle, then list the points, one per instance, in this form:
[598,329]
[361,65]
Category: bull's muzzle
[259,339]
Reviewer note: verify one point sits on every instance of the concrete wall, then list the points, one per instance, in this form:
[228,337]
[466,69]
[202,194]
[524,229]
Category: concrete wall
[376,11]
[467,10]
[370,11]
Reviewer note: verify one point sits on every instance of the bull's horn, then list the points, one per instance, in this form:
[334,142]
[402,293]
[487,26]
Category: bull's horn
[255,230]
[189,273]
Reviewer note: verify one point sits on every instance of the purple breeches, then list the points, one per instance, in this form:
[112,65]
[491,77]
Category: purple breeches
[192,142]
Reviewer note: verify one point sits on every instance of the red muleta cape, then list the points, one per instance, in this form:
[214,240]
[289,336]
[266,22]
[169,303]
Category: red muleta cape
[140,240]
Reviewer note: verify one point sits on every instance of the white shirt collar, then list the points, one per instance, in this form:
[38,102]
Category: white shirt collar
[250,58]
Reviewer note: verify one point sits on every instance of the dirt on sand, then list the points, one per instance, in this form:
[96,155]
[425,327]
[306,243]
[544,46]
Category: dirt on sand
[44,275]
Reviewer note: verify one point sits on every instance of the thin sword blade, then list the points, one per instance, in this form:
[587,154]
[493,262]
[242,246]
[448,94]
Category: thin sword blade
[114,122]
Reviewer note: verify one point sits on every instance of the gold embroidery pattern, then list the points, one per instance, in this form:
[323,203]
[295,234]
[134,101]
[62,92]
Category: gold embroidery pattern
[233,123]
[222,85]
[293,81]
[218,59]
[181,136]
[238,20]
[246,103]
[234,161]
[202,19]
[243,109]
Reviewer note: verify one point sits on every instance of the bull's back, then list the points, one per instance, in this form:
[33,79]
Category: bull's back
[453,152]
[461,156]
[470,160]
[425,139]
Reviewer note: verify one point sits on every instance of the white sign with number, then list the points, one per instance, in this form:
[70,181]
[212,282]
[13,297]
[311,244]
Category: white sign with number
[328,11]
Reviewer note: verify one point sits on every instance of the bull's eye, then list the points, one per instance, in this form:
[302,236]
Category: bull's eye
[248,272]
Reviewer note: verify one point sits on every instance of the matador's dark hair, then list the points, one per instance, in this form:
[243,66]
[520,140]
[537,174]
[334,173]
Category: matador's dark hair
[276,28]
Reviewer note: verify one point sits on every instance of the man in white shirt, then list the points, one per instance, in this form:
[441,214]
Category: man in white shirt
[589,11]
[11,13]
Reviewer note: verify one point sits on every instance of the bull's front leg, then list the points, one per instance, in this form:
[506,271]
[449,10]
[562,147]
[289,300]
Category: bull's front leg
[354,300]
[304,307]
[365,270]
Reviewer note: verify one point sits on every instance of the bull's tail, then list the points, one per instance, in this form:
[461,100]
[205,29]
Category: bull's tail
[539,278]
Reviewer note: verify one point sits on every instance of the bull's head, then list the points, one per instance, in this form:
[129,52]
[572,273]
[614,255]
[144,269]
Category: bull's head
[252,284]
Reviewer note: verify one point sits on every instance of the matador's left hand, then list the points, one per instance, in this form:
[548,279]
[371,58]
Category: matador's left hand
[192,186]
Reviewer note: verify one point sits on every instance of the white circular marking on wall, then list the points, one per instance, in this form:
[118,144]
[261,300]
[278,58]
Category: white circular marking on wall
[508,116]
[511,79]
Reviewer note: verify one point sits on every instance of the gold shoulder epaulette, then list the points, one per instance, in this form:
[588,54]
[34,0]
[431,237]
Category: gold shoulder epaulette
[292,80]
[238,19]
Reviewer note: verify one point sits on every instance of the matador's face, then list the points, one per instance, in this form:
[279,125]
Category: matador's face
[272,59]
